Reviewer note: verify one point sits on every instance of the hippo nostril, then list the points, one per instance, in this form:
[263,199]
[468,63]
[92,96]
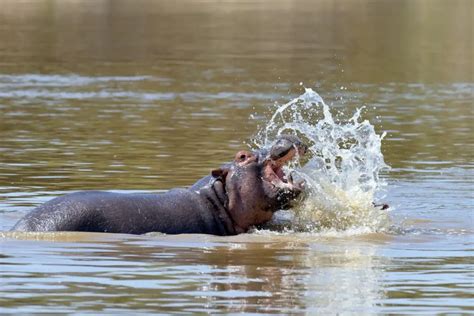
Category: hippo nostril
[243,156]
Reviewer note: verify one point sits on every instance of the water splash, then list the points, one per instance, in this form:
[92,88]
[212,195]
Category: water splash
[341,169]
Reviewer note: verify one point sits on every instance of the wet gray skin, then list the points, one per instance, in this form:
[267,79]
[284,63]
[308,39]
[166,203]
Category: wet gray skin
[239,195]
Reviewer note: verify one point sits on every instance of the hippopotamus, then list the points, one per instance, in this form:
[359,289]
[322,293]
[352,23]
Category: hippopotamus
[233,198]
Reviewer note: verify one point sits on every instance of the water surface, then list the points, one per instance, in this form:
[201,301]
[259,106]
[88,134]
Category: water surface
[148,95]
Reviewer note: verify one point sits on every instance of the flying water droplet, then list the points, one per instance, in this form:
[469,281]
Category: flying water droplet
[341,168]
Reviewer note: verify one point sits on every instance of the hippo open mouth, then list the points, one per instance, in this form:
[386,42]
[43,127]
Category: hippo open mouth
[280,155]
[274,174]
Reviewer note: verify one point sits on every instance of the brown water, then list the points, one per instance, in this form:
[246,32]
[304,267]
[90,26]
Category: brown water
[149,95]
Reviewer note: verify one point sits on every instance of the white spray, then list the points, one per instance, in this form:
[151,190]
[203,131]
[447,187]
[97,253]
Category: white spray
[342,165]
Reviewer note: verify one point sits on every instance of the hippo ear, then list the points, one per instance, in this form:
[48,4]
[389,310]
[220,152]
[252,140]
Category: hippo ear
[220,173]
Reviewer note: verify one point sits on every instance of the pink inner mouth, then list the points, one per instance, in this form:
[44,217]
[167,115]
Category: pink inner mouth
[274,174]
[273,169]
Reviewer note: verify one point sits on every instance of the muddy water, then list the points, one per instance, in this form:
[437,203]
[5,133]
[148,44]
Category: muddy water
[147,95]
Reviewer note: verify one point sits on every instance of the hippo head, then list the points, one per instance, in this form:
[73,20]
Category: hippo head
[256,185]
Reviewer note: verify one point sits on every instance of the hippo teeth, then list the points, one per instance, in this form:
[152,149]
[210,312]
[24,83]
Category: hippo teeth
[277,176]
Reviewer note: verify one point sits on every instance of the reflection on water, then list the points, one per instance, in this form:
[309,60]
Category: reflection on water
[149,95]
[207,274]
[275,274]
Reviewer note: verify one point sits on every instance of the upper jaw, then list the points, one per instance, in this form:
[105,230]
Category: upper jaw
[286,148]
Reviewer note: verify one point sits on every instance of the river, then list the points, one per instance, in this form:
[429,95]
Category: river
[143,96]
